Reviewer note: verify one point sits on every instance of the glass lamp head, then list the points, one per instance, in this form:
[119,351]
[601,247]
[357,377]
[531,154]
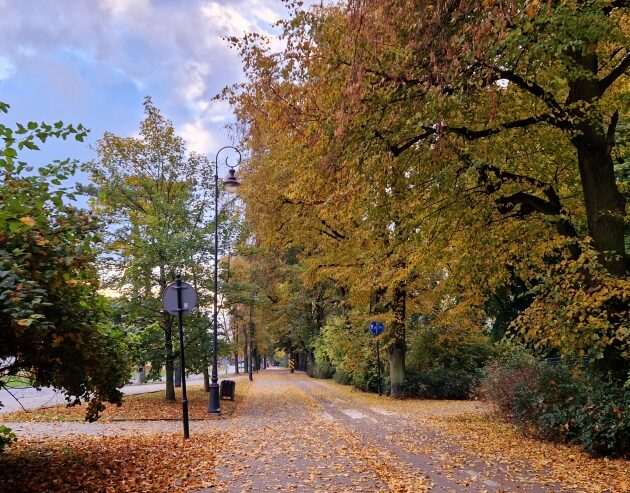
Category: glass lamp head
[231,183]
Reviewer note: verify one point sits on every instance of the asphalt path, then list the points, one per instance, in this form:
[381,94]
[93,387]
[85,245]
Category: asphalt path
[32,398]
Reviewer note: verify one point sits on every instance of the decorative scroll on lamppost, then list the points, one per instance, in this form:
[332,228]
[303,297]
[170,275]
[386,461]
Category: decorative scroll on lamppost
[179,297]
[230,185]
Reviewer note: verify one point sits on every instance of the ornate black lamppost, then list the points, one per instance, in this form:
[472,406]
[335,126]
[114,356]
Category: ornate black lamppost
[230,185]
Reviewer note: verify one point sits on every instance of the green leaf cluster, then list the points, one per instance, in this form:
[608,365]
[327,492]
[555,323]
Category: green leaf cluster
[53,322]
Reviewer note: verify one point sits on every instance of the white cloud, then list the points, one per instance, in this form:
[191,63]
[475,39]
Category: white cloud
[123,7]
[193,79]
[227,19]
[199,137]
[96,60]
[7,68]
[262,11]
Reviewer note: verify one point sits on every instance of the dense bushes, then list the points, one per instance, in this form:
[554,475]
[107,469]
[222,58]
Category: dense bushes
[560,403]
[350,352]
[442,362]
[320,368]
[445,362]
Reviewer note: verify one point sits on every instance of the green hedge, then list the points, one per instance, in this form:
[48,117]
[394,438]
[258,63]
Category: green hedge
[445,362]
[560,403]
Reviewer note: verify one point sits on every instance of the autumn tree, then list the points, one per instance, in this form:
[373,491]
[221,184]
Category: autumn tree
[158,203]
[54,326]
[404,142]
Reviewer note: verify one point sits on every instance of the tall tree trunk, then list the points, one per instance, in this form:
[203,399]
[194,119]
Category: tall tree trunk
[206,376]
[245,355]
[605,206]
[167,326]
[398,347]
[236,361]
[170,360]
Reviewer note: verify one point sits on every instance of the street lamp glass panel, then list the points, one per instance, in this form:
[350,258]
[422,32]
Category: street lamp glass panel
[231,183]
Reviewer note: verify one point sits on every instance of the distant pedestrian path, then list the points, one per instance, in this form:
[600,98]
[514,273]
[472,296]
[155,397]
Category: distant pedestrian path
[31,398]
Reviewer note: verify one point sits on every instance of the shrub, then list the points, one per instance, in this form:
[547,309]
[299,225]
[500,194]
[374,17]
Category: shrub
[342,377]
[7,437]
[604,423]
[503,376]
[558,403]
[445,362]
[441,383]
[365,372]
[546,405]
[321,369]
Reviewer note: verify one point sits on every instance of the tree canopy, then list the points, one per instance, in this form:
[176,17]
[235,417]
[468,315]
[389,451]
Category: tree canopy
[55,327]
[426,156]
[157,201]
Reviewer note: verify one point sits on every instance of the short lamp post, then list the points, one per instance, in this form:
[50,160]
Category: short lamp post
[230,185]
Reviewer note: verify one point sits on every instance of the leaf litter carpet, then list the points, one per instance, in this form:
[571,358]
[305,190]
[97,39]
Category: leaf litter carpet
[291,433]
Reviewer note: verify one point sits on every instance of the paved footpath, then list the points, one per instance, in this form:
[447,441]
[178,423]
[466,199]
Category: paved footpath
[299,434]
[31,398]
[292,433]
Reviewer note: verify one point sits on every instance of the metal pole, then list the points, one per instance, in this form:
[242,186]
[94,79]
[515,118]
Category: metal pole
[251,344]
[214,402]
[180,314]
[378,366]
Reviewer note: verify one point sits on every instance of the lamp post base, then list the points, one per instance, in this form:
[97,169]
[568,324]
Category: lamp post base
[214,404]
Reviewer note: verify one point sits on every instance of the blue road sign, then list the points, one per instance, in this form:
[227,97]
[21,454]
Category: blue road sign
[376,328]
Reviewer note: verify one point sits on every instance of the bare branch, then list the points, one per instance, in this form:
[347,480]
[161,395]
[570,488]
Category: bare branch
[615,73]
[612,127]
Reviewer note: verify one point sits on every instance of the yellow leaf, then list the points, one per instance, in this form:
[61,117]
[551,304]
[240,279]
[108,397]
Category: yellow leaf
[28,220]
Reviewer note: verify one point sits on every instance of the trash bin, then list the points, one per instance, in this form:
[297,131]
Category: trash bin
[227,389]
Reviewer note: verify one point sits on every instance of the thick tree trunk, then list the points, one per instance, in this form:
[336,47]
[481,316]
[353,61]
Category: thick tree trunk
[396,356]
[605,206]
[398,346]
[236,362]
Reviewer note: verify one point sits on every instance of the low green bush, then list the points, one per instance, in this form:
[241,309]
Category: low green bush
[365,374]
[604,423]
[560,403]
[342,377]
[547,404]
[7,437]
[321,369]
[445,362]
[441,382]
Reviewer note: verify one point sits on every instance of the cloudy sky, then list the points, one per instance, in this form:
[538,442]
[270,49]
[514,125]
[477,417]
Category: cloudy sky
[94,61]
